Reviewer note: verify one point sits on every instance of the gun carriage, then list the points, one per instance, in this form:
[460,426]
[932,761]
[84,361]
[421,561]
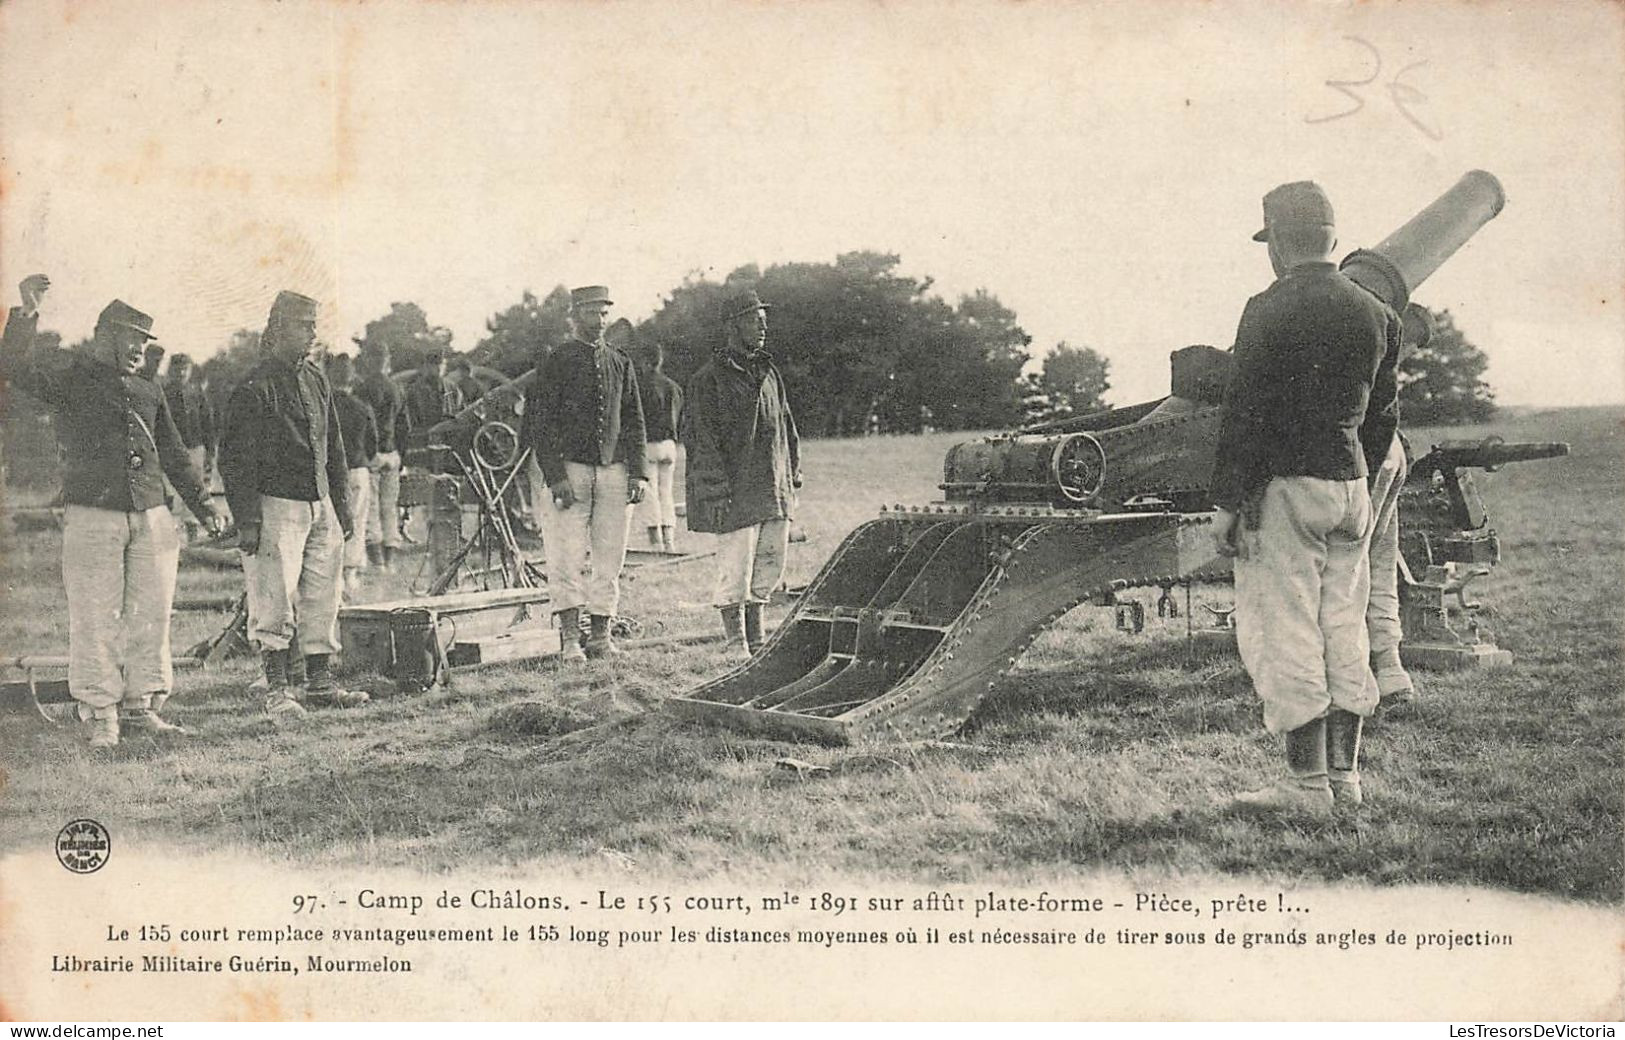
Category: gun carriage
[916,614]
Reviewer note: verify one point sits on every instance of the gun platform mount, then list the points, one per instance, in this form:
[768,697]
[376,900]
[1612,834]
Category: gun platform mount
[917,613]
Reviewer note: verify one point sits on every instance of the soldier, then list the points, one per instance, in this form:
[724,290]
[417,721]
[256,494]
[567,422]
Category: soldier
[359,430]
[1293,504]
[151,358]
[662,417]
[1385,457]
[193,412]
[287,480]
[120,547]
[431,398]
[584,422]
[388,405]
[744,466]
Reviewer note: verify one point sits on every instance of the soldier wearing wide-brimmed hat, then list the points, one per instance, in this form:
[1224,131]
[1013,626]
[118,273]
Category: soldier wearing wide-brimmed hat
[120,547]
[584,422]
[744,467]
[287,480]
[1294,507]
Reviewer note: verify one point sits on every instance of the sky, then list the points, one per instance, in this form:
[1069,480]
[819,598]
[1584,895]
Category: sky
[1098,167]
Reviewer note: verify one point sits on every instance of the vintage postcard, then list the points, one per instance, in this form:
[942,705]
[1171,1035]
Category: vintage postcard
[751,510]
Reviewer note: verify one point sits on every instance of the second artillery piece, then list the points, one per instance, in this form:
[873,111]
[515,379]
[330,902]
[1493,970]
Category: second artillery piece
[917,613]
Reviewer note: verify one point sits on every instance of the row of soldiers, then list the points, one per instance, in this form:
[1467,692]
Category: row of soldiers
[310,461]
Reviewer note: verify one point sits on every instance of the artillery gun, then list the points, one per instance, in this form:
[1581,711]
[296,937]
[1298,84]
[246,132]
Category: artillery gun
[917,613]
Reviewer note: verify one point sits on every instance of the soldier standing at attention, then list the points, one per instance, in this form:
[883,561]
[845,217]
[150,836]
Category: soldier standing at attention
[287,480]
[359,431]
[662,417]
[119,543]
[1294,507]
[584,422]
[388,405]
[744,466]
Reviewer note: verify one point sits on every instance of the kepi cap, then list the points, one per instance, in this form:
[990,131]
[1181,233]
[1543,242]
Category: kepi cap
[123,315]
[294,306]
[742,303]
[1300,203]
[589,294]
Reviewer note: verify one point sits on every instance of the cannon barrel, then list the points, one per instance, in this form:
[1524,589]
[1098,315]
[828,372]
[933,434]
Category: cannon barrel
[1488,454]
[1403,260]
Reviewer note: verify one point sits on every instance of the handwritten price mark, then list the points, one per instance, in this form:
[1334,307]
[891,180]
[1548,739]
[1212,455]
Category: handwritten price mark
[1403,95]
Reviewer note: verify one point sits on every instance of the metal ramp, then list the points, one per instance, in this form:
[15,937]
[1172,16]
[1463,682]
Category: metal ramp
[916,614]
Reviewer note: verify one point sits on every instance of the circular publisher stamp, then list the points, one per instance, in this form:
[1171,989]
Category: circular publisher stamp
[83,846]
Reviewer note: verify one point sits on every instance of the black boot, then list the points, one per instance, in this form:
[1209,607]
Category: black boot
[570,635]
[599,642]
[320,688]
[1343,756]
[753,627]
[280,703]
[1304,789]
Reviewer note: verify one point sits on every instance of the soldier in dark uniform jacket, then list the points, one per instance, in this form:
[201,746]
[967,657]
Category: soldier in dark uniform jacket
[388,406]
[287,480]
[1294,507]
[359,431]
[119,545]
[584,422]
[662,419]
[744,466]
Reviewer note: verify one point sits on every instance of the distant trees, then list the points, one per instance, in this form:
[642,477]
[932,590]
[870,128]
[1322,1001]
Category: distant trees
[406,331]
[863,348]
[1075,380]
[1442,382]
[517,338]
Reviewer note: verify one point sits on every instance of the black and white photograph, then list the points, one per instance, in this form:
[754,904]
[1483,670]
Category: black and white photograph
[741,510]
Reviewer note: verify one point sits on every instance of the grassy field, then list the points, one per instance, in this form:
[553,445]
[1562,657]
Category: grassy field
[1098,750]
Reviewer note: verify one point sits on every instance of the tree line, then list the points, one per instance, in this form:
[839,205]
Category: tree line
[864,349]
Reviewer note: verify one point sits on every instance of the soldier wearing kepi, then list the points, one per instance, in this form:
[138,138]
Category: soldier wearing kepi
[584,422]
[287,481]
[1293,503]
[744,466]
[388,405]
[119,544]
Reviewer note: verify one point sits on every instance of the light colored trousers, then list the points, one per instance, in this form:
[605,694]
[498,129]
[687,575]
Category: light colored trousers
[659,505]
[1382,613]
[750,562]
[295,579]
[383,511]
[119,572]
[1303,581]
[355,547]
[586,544]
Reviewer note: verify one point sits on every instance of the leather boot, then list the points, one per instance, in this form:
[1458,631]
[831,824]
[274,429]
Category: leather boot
[570,650]
[1304,789]
[140,715]
[386,557]
[654,536]
[280,703]
[1343,756]
[599,641]
[753,627]
[320,687]
[668,538]
[375,554]
[733,630]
